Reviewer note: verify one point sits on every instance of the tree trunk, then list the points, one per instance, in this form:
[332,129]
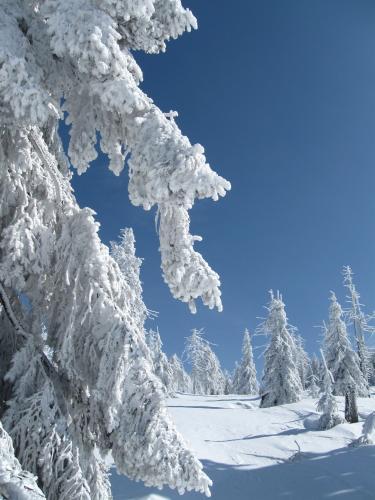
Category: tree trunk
[351,410]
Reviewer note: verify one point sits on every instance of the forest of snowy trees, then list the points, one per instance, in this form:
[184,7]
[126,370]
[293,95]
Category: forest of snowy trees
[82,374]
[345,366]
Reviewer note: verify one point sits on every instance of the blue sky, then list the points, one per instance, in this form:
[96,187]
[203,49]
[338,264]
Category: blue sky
[282,96]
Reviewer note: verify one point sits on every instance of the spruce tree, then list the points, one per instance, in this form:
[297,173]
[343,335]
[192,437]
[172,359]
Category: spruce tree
[342,361]
[281,382]
[15,483]
[303,361]
[90,388]
[371,366]
[327,403]
[181,381]
[160,362]
[368,431]
[206,374]
[316,369]
[228,383]
[234,377]
[245,377]
[313,386]
[123,253]
[360,324]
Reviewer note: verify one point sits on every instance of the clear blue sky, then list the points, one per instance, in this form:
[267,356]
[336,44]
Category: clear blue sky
[282,96]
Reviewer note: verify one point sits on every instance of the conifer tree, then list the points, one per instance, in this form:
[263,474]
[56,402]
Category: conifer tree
[313,386]
[342,361]
[281,382]
[360,323]
[15,483]
[89,364]
[234,377]
[206,374]
[123,253]
[181,381]
[303,361]
[316,369]
[228,383]
[368,431]
[371,366]
[327,402]
[245,377]
[162,368]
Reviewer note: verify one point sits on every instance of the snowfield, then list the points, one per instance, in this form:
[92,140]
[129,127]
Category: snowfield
[253,454]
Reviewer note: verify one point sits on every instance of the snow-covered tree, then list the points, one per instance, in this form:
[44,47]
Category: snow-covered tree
[360,323]
[303,361]
[228,383]
[206,374]
[313,377]
[181,381]
[162,368]
[313,386]
[36,422]
[341,360]
[15,483]
[316,369]
[371,366]
[368,431]
[281,382]
[130,265]
[245,376]
[327,403]
[235,376]
[87,355]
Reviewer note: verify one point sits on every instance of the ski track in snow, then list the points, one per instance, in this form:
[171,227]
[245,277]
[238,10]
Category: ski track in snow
[252,453]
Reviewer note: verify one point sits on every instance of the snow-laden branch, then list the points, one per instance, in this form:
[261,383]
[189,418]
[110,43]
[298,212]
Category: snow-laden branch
[4,299]
[61,389]
[47,159]
[15,483]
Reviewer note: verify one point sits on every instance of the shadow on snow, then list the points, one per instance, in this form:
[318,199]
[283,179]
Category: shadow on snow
[345,473]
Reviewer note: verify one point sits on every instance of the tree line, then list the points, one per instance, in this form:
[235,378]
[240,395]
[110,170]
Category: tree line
[343,369]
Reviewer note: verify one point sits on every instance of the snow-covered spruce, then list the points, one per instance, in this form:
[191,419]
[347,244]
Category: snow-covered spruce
[368,431]
[92,366]
[164,168]
[303,361]
[313,386]
[206,374]
[342,361]
[40,432]
[160,362]
[15,483]
[316,369]
[130,265]
[281,382]
[327,403]
[181,381]
[371,365]
[81,50]
[360,324]
[228,382]
[79,293]
[245,375]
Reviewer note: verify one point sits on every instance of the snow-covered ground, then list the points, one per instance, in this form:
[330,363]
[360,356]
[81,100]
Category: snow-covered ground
[250,453]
